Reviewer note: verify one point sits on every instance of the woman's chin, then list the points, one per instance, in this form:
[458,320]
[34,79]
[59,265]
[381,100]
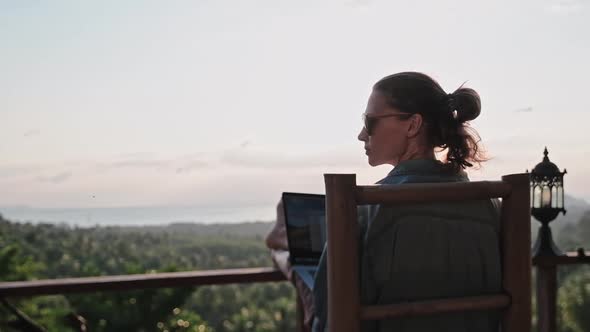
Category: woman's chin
[376,162]
[371,162]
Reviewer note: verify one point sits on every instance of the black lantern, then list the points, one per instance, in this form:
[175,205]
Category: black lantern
[547,201]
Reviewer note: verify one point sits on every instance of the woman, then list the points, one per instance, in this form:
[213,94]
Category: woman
[423,251]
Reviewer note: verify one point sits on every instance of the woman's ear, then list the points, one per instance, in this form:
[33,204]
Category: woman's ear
[415,124]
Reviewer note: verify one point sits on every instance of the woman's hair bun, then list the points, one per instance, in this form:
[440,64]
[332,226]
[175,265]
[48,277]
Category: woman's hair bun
[467,104]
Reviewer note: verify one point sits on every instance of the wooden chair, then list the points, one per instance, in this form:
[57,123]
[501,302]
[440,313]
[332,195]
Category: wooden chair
[342,198]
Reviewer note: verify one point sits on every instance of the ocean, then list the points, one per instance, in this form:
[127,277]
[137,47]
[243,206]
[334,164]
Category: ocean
[137,216]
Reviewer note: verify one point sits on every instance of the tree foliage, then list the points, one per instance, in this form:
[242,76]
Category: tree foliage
[40,251]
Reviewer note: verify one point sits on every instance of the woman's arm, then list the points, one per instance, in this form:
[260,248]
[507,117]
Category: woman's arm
[276,240]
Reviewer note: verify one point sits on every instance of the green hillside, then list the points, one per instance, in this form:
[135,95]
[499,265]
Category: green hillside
[39,251]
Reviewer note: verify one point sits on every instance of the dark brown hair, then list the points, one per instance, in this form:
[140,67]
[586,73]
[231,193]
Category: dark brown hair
[446,116]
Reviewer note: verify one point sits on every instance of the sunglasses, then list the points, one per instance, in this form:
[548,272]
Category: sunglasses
[371,121]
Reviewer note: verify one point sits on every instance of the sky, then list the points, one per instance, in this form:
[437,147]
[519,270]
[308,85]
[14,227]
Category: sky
[229,103]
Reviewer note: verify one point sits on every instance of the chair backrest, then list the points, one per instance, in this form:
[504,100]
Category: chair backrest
[342,198]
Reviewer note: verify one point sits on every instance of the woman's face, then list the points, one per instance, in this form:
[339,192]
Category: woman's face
[387,140]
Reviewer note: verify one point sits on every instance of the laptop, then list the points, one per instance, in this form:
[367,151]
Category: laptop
[305,216]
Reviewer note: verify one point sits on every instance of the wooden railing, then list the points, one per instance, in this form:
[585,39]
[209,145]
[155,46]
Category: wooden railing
[135,281]
[546,284]
[546,267]
[139,281]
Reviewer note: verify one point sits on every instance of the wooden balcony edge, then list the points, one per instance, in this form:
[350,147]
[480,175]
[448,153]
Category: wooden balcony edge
[140,281]
[567,259]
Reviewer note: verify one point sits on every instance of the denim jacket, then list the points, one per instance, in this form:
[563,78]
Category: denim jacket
[423,251]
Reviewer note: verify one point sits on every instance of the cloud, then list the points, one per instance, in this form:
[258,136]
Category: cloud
[17,170]
[245,144]
[136,155]
[32,132]
[191,166]
[55,179]
[359,3]
[565,6]
[140,164]
[280,160]
[184,164]
[524,110]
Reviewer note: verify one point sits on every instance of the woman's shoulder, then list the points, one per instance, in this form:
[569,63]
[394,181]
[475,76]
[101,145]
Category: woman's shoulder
[422,171]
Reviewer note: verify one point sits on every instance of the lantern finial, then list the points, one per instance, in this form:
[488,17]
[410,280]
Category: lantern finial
[546,153]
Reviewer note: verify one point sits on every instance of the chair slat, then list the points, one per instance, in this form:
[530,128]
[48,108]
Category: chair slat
[343,268]
[431,192]
[515,239]
[420,308]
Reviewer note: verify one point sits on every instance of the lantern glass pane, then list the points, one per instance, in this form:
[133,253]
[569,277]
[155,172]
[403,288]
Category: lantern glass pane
[537,197]
[560,197]
[546,197]
[554,196]
[532,198]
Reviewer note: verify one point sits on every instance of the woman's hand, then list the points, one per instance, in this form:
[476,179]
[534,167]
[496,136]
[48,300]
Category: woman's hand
[277,238]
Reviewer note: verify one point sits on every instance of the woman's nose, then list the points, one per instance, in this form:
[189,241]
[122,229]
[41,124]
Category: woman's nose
[363,135]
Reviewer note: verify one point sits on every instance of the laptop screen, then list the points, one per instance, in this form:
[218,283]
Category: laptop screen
[305,216]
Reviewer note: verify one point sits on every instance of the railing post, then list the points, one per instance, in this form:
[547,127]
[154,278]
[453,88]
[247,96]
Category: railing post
[343,260]
[547,298]
[516,253]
